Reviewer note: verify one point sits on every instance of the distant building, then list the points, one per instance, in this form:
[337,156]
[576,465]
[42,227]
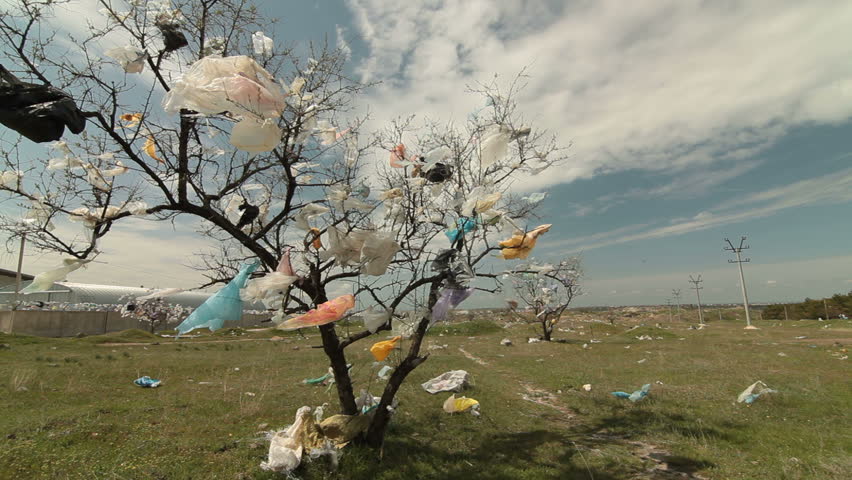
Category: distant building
[7,277]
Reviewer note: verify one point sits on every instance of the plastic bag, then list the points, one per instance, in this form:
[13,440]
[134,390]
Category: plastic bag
[345,248]
[225,305]
[494,147]
[38,112]
[250,135]
[450,298]
[173,38]
[260,288]
[44,280]
[461,404]
[381,350]
[309,212]
[147,382]
[262,44]
[286,447]
[373,320]
[753,392]
[452,381]
[131,59]
[479,201]
[635,396]
[235,84]
[377,252]
[328,312]
[521,244]
[11,179]
[284,265]
[385,372]
[463,226]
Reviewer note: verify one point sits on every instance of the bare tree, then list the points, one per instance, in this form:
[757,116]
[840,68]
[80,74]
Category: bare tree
[411,236]
[548,290]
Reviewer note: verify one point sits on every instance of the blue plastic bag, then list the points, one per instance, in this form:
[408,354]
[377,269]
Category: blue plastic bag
[226,304]
[463,225]
[147,382]
[635,396]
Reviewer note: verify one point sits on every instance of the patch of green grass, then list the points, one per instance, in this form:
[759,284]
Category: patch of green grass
[200,423]
[472,327]
[125,336]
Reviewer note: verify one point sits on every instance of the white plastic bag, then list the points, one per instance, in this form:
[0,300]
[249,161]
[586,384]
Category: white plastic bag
[253,136]
[494,147]
[374,318]
[452,381]
[262,44]
[131,59]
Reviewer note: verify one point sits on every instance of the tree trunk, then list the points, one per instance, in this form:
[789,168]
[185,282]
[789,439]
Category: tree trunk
[342,380]
[548,330]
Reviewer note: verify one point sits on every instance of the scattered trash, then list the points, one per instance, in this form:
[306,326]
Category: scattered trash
[635,396]
[587,387]
[147,382]
[644,337]
[782,354]
[801,337]
[642,361]
[751,327]
[753,392]
[585,345]
[506,342]
[225,304]
[452,381]
[461,404]
[438,347]
[533,340]
[250,394]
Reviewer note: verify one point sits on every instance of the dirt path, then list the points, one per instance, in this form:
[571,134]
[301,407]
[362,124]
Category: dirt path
[140,344]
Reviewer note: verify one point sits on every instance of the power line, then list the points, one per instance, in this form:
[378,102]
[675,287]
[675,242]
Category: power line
[740,261]
[696,282]
[676,294]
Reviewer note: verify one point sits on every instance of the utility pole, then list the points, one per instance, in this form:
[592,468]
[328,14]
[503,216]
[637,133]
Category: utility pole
[740,261]
[669,303]
[676,294]
[696,287]
[785,313]
[20,266]
[825,306]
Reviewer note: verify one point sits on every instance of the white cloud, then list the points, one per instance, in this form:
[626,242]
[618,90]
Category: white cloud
[648,85]
[342,44]
[828,189]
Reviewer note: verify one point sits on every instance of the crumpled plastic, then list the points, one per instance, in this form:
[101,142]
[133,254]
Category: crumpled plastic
[173,38]
[131,59]
[147,382]
[494,147]
[450,298]
[377,252]
[328,312]
[136,208]
[452,381]
[38,112]
[91,218]
[397,156]
[262,44]
[44,280]
[309,212]
[463,226]
[234,84]
[259,288]
[374,319]
[461,404]
[150,149]
[535,197]
[521,244]
[479,201]
[385,372]
[225,305]
[250,213]
[344,247]
[381,350]
[286,447]
[253,136]
[342,429]
[438,173]
[635,396]
[753,392]
[284,265]
[38,214]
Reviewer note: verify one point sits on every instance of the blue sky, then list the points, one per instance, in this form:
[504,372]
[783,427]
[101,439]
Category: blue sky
[690,122]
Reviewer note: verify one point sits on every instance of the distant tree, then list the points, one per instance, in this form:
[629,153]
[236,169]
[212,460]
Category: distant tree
[547,289]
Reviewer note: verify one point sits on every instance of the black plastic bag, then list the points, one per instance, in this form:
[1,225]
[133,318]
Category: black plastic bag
[439,173]
[38,112]
[173,38]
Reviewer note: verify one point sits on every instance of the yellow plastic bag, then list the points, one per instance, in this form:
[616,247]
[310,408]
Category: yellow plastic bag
[381,350]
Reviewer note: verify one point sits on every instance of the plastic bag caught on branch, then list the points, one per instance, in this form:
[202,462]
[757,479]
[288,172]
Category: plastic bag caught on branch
[253,136]
[131,59]
[450,298]
[328,312]
[11,178]
[44,280]
[373,319]
[262,44]
[38,112]
[381,350]
[225,305]
[237,84]
[521,244]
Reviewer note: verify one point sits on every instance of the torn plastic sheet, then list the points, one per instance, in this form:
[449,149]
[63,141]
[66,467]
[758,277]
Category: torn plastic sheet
[284,265]
[397,156]
[450,298]
[461,404]
[64,163]
[635,396]
[344,247]
[147,382]
[131,59]
[328,312]
[150,149]
[38,214]
[38,112]
[374,318]
[136,208]
[521,244]
[377,252]
[452,381]
[309,212]
[44,280]
[173,38]
[381,350]
[385,372]
[753,392]
[286,446]
[262,44]
[225,305]
[253,136]
[479,201]
[235,84]
[259,288]
[494,147]
[463,226]
[535,197]
[91,217]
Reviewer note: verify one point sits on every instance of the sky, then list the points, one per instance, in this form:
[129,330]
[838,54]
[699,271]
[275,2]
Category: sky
[689,122]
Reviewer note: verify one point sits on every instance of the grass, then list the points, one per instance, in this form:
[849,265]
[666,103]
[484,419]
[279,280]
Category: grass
[72,411]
